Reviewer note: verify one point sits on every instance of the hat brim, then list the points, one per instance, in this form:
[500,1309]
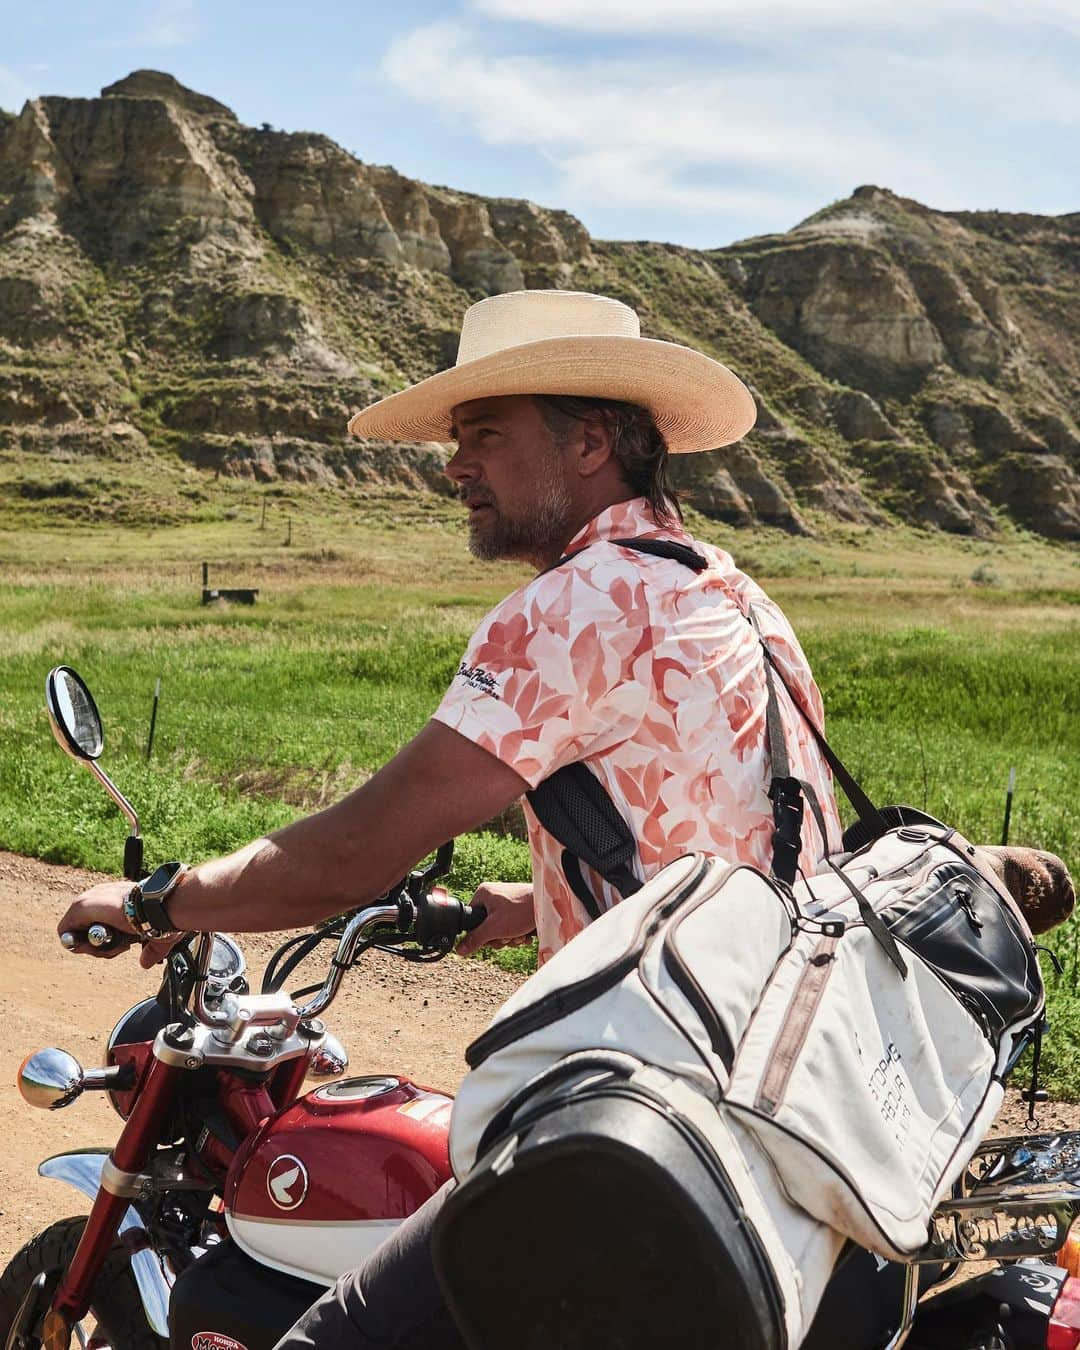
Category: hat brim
[698,404]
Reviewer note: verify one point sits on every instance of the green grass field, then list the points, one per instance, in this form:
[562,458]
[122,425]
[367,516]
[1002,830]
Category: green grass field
[942,663]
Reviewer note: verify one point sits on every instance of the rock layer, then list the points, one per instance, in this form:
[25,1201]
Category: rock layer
[175,283]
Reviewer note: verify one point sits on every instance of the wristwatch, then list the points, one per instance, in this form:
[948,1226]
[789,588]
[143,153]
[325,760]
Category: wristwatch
[144,907]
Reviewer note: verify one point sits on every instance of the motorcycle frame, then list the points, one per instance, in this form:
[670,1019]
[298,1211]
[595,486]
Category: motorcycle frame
[246,1106]
[119,1184]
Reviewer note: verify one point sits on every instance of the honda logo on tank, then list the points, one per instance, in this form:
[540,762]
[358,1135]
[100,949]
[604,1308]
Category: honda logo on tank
[287,1181]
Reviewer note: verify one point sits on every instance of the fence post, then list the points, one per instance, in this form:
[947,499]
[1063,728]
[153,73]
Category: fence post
[1008,805]
[153,715]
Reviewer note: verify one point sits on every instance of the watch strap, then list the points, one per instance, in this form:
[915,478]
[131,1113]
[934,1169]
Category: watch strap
[153,908]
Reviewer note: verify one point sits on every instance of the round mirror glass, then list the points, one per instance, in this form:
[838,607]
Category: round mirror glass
[73,714]
[50,1078]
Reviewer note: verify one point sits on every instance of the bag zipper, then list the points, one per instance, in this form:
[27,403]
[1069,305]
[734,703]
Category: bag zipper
[561,1002]
[789,1041]
[687,982]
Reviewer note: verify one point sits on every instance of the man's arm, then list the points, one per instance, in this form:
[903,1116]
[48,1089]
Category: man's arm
[439,786]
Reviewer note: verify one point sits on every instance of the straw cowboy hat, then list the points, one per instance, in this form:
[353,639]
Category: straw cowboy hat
[570,342]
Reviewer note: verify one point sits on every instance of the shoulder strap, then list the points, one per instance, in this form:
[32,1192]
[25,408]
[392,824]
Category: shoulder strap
[864,807]
[573,806]
[657,548]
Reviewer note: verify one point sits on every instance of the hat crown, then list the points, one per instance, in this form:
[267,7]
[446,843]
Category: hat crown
[518,317]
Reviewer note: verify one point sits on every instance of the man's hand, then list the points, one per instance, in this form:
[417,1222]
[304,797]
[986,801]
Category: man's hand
[105,904]
[100,904]
[510,918]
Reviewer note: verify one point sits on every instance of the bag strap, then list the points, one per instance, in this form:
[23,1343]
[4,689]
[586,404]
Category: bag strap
[865,809]
[785,792]
[573,806]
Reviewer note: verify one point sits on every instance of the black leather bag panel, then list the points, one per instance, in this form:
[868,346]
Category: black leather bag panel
[959,925]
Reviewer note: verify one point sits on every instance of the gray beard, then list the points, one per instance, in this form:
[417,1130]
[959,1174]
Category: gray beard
[535,538]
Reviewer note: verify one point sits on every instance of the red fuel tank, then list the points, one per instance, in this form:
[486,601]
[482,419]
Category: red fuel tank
[325,1180]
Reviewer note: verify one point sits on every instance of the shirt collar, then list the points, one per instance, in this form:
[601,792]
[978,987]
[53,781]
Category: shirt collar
[631,519]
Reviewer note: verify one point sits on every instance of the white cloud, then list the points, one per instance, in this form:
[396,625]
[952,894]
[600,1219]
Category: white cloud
[732,17]
[652,133]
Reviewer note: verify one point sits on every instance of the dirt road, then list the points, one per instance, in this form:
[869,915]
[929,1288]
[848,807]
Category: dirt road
[391,1017]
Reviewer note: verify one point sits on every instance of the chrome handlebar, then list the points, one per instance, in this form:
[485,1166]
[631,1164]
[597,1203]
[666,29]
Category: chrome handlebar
[356,930]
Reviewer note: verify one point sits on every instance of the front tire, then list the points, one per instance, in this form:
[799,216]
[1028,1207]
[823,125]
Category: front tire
[115,1305]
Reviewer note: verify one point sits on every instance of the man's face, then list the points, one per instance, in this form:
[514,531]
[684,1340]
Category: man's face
[512,476]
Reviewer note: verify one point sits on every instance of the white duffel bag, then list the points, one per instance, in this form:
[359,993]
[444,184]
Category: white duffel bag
[857,1025]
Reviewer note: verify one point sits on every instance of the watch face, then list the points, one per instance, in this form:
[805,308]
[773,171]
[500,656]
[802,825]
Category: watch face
[157,881]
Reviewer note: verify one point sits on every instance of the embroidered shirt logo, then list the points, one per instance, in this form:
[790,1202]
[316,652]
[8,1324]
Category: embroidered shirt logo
[476,677]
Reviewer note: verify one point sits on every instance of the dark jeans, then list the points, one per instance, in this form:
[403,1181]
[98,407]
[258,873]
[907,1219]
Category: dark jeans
[393,1301]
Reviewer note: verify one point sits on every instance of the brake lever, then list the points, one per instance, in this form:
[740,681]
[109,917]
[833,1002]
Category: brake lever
[420,882]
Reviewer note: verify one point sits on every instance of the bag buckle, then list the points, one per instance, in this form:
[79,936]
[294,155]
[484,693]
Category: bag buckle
[787,800]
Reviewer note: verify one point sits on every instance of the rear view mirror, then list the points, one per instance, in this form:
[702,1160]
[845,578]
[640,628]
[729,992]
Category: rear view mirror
[76,724]
[73,714]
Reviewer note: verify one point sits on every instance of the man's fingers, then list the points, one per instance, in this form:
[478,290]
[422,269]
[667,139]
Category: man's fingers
[472,942]
[153,953]
[84,948]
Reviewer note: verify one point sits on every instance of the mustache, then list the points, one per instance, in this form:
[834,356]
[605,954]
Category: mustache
[476,497]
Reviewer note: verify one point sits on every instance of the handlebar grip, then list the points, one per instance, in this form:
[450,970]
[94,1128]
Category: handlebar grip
[440,919]
[472,917]
[104,939]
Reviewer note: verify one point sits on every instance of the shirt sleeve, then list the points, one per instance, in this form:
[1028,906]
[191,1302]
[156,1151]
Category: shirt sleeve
[560,671]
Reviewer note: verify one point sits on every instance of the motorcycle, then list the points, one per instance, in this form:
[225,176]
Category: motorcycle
[231,1200]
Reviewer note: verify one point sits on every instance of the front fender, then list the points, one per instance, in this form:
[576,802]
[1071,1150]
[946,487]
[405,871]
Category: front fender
[82,1169]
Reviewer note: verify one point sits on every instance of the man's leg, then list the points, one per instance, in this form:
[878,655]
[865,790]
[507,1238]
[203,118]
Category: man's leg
[392,1302]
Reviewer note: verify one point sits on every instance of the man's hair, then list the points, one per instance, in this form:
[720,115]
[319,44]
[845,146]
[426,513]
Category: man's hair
[637,442]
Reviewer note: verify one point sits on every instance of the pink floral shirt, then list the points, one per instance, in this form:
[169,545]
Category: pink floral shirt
[651,674]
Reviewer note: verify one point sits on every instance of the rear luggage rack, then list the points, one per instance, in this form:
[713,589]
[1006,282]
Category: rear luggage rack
[1022,1196]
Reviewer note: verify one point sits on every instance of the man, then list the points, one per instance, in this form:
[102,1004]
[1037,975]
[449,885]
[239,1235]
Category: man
[645,670]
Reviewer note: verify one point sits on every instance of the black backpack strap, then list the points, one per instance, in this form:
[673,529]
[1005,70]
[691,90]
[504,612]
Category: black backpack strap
[785,792]
[667,548]
[574,807]
[868,813]
[656,548]
[787,795]
[879,930]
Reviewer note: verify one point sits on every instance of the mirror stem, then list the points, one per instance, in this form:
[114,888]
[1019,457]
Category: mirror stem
[133,848]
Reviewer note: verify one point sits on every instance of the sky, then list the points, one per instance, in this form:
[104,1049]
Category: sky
[691,121]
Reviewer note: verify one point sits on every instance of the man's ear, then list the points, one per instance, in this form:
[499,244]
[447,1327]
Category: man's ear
[596,446]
